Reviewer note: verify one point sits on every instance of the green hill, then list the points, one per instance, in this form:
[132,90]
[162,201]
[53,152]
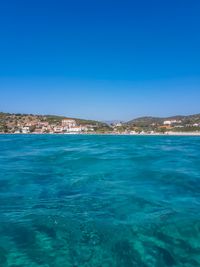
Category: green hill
[9,122]
[148,121]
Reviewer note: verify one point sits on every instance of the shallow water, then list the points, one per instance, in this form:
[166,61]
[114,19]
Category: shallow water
[99,201]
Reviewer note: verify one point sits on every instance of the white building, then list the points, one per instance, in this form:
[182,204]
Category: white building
[25,130]
[118,124]
[68,123]
[76,129]
[43,123]
[169,122]
[88,128]
[58,129]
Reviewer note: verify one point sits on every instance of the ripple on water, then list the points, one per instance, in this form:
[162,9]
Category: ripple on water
[104,201]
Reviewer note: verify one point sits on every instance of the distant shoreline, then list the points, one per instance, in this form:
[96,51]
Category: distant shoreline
[114,134]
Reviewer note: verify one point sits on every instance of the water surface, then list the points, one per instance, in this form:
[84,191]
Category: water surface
[99,201]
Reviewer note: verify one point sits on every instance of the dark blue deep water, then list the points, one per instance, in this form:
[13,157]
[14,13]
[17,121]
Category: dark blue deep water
[99,201]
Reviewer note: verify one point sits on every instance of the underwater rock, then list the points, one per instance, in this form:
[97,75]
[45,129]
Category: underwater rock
[24,236]
[166,257]
[50,231]
[126,256]
[84,253]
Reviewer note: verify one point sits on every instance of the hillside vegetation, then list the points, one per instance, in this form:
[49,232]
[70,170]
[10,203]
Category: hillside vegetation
[10,122]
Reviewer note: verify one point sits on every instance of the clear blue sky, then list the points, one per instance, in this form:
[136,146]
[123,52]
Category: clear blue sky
[100,59]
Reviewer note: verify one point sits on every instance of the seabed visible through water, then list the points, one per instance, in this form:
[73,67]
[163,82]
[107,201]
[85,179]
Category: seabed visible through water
[99,201]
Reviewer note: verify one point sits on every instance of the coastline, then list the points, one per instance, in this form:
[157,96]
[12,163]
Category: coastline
[114,134]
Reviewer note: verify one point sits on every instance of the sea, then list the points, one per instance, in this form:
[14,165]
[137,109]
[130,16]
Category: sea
[99,201]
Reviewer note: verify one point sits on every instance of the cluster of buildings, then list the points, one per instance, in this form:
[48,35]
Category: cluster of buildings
[179,124]
[70,126]
[38,124]
[66,126]
[172,122]
[157,127]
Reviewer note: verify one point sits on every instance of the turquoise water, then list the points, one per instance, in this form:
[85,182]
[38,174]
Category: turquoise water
[99,201]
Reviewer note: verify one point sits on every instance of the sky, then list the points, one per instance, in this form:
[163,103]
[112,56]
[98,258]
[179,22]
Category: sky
[100,59]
